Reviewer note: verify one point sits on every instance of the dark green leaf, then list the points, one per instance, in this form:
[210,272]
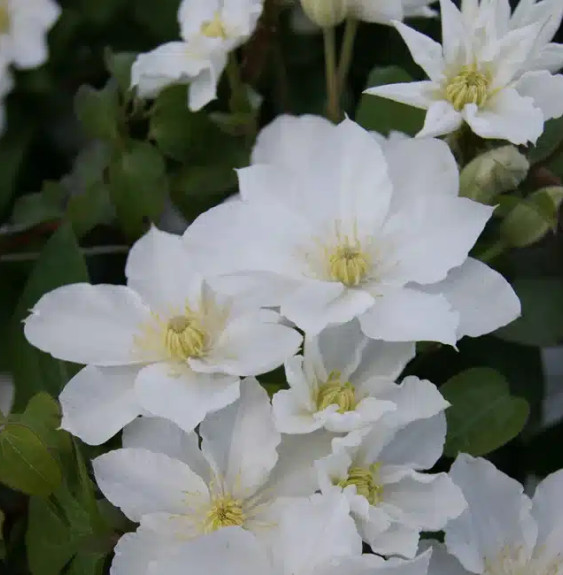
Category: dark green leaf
[87,210]
[541,323]
[44,206]
[382,115]
[548,142]
[99,111]
[119,65]
[60,263]
[25,462]
[138,187]
[483,415]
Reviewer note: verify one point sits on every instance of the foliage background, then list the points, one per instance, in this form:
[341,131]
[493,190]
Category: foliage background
[86,167]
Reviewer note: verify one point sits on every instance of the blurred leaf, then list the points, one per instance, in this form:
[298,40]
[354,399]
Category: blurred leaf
[483,415]
[99,111]
[138,187]
[47,205]
[60,263]
[87,210]
[119,65]
[541,323]
[87,564]
[2,544]
[548,142]
[25,462]
[384,116]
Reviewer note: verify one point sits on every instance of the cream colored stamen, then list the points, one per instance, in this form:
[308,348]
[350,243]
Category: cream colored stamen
[214,28]
[469,87]
[224,512]
[184,337]
[364,478]
[4,17]
[334,392]
[348,264]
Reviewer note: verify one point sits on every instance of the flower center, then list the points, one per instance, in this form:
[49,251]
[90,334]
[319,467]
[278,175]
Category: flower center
[214,28]
[224,512]
[184,337]
[469,87]
[334,392]
[364,478]
[348,264]
[515,560]
[4,17]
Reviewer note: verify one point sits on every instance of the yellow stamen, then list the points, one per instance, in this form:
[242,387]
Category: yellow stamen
[4,17]
[348,264]
[214,28]
[364,478]
[469,87]
[334,392]
[184,337]
[224,512]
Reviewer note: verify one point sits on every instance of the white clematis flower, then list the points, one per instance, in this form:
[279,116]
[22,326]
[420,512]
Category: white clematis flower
[502,531]
[330,228]
[179,492]
[478,76]
[315,537]
[23,31]
[210,29]
[379,472]
[165,344]
[344,381]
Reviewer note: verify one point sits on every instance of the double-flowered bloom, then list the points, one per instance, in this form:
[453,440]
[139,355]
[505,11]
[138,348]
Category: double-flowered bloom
[329,227]
[493,70]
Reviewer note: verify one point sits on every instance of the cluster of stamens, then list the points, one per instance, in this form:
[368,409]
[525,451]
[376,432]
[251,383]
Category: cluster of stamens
[335,392]
[214,28]
[184,337]
[365,480]
[470,86]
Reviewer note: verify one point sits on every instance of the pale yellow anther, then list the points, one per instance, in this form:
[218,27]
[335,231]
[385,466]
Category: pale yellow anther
[184,337]
[364,478]
[334,392]
[214,28]
[224,512]
[4,17]
[469,87]
[348,264]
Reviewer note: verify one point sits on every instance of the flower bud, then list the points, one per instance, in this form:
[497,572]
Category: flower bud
[325,13]
[493,173]
[532,218]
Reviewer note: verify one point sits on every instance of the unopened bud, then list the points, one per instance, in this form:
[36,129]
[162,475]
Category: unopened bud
[325,13]
[532,218]
[493,173]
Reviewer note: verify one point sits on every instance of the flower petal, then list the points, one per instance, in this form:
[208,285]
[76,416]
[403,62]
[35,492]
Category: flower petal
[417,94]
[425,52]
[140,482]
[290,415]
[175,392]
[409,315]
[546,90]
[484,299]
[441,119]
[240,442]
[98,402]
[546,510]
[89,324]
[498,514]
[442,563]
[378,11]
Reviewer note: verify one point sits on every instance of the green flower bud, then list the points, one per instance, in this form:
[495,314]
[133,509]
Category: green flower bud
[493,173]
[530,220]
[325,13]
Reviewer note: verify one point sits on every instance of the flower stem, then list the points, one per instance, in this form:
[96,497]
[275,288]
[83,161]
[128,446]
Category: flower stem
[346,52]
[492,252]
[239,99]
[333,103]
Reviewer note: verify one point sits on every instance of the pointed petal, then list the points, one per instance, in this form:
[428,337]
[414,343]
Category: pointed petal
[417,94]
[546,510]
[441,119]
[425,52]
[546,90]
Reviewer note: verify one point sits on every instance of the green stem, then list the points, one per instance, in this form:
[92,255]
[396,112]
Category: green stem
[492,252]
[239,99]
[346,52]
[333,104]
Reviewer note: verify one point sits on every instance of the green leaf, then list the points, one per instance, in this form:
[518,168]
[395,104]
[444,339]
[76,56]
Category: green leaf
[60,263]
[119,65]
[2,543]
[483,415]
[548,142]
[138,187]
[382,115]
[87,210]
[25,462]
[99,111]
[47,205]
[87,564]
[541,323]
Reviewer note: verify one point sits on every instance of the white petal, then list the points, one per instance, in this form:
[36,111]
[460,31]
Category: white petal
[371,564]
[546,89]
[379,11]
[311,529]
[382,362]
[250,346]
[291,416]
[89,324]
[395,539]
[417,94]
[498,514]
[454,34]
[546,510]
[441,562]
[315,305]
[425,501]
[162,436]
[441,119]
[419,445]
[192,14]
[434,170]
[425,52]
[240,442]
[550,58]
[484,299]
[507,116]
[140,482]
[98,402]
[367,412]
[409,315]
[159,269]
[183,396]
